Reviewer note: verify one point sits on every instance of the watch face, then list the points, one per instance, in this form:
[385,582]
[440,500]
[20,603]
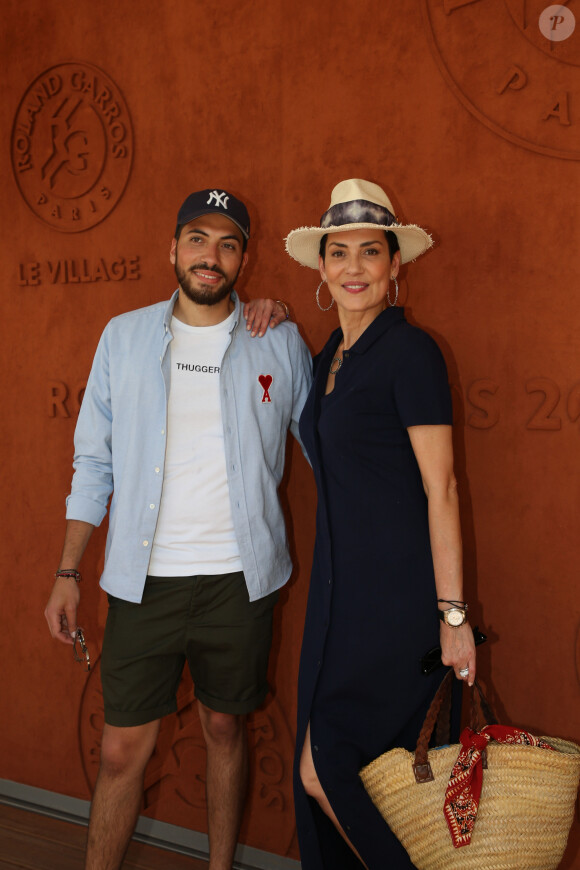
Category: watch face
[455,617]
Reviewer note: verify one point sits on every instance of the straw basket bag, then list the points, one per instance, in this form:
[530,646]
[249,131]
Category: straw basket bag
[525,809]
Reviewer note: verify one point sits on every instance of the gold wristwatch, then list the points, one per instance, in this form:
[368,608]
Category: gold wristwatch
[454,616]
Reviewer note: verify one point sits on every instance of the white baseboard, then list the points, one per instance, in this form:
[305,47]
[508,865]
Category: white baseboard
[149,831]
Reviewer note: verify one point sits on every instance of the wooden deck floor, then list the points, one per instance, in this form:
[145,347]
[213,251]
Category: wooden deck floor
[30,841]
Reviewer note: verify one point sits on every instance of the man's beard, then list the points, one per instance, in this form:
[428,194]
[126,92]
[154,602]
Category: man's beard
[204,295]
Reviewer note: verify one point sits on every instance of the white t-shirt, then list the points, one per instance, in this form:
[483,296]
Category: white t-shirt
[195,530]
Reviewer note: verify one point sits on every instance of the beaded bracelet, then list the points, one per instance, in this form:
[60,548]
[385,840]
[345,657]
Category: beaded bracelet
[71,573]
[285,307]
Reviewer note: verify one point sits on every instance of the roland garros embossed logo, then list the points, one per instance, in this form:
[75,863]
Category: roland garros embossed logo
[515,65]
[72,146]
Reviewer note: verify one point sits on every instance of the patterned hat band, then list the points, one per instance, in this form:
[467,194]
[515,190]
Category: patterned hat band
[357,211]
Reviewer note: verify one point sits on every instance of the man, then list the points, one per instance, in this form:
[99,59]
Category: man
[184,421]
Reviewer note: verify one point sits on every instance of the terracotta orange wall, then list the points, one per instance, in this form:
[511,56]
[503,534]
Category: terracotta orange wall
[472,123]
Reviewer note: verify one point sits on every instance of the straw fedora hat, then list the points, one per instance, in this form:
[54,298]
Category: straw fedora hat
[356,204]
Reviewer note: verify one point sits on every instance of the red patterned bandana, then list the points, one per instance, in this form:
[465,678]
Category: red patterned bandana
[464,789]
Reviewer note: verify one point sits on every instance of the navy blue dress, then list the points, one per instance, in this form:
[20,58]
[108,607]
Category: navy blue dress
[372,610]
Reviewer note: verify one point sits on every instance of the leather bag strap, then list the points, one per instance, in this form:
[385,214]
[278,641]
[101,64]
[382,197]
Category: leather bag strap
[438,715]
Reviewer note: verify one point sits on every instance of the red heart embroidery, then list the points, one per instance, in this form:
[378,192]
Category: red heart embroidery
[265,382]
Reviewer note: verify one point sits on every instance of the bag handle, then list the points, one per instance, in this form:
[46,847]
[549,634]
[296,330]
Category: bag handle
[439,714]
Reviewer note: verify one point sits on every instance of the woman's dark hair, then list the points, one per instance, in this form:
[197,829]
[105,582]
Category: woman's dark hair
[391,238]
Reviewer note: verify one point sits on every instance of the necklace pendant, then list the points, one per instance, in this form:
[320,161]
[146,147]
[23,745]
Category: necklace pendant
[338,362]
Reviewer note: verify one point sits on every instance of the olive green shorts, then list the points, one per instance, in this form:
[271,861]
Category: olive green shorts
[206,620]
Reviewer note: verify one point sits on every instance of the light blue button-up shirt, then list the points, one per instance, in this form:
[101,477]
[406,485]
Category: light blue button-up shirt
[121,433]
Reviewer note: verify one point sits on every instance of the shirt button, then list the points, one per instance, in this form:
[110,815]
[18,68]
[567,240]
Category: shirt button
[145,543]
[233,467]
[329,581]
[315,748]
[163,431]
[157,469]
[152,506]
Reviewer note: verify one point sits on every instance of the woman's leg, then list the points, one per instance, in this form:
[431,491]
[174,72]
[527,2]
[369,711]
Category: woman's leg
[313,788]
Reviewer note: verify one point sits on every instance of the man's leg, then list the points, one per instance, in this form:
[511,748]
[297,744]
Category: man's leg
[226,782]
[118,793]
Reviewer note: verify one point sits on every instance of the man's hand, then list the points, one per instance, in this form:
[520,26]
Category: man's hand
[260,314]
[61,610]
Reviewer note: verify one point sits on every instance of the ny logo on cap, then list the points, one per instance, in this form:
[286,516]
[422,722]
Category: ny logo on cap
[220,199]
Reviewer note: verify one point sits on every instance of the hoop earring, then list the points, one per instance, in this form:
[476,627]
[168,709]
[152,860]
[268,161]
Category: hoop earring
[328,307]
[392,304]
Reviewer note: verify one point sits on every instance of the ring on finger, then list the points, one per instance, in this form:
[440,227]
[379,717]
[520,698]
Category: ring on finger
[463,673]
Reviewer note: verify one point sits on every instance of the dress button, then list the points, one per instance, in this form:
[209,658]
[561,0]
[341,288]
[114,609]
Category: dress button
[315,748]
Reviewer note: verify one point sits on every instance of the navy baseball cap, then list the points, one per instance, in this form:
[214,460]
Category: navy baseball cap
[214,202]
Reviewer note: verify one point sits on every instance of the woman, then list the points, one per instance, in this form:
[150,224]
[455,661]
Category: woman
[377,428]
